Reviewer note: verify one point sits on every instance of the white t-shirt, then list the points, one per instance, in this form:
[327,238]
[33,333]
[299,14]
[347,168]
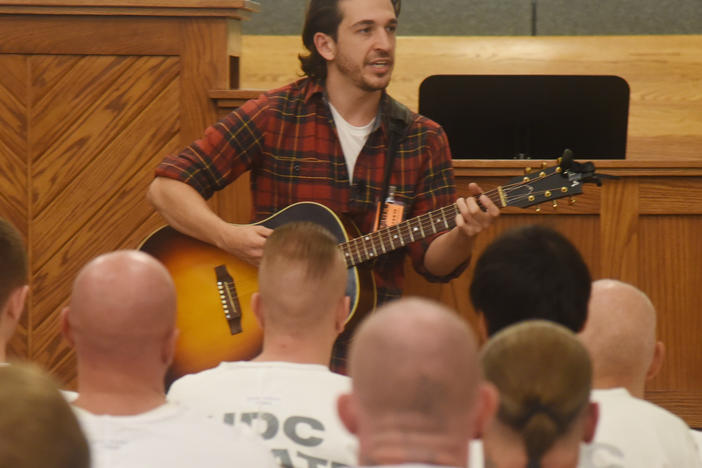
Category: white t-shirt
[697,437]
[632,432]
[352,139]
[170,436]
[293,406]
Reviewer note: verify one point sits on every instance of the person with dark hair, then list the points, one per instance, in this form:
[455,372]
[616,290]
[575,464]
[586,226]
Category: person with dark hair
[13,282]
[37,426]
[287,393]
[544,378]
[337,138]
[530,272]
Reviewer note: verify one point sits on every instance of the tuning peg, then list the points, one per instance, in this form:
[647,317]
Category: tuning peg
[555,204]
[571,201]
[544,164]
[538,209]
[527,170]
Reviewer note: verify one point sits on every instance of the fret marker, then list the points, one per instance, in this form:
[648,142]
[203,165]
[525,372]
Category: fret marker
[367,238]
[395,236]
[415,229]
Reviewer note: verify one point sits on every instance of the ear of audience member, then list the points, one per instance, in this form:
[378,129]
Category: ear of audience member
[417,395]
[530,272]
[121,321]
[287,393]
[543,375]
[620,334]
[13,282]
[37,426]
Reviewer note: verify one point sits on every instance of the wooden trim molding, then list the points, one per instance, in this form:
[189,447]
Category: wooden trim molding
[238,9]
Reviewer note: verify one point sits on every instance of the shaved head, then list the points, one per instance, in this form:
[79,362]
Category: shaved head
[620,332]
[123,305]
[415,361]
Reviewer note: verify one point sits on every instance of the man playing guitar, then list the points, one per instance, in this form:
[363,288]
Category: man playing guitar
[334,137]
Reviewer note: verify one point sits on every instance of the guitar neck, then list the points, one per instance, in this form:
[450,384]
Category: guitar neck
[370,246]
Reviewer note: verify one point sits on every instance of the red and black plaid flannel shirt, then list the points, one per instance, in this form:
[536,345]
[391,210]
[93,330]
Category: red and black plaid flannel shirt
[288,140]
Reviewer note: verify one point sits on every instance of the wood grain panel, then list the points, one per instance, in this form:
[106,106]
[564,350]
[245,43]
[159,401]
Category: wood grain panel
[669,259]
[89,35]
[14,205]
[661,196]
[128,159]
[66,101]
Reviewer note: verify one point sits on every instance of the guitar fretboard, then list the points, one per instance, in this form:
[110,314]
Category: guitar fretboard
[370,246]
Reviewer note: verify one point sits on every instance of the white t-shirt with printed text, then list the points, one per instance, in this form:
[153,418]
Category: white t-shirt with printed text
[293,407]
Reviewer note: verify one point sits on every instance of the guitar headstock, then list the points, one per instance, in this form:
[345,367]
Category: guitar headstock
[549,184]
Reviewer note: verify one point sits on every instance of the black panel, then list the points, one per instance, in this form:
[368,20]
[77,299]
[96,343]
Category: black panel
[529,116]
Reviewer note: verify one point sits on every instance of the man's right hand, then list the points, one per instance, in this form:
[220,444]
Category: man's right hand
[244,241]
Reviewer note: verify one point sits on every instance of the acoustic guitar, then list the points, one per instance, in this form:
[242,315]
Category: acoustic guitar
[214,288]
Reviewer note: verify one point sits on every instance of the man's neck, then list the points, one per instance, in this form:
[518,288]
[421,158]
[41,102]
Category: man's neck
[300,350]
[118,393]
[356,106]
[402,446]
[636,389]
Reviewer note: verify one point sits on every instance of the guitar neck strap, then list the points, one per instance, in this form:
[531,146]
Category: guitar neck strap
[397,123]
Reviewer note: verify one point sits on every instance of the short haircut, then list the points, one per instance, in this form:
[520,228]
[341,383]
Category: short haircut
[13,271]
[322,16]
[37,426]
[531,272]
[544,377]
[302,274]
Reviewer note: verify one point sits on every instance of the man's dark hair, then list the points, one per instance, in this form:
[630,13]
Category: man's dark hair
[322,16]
[531,272]
[13,260]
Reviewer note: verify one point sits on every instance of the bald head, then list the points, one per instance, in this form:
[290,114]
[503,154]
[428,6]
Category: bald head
[415,358]
[123,305]
[620,332]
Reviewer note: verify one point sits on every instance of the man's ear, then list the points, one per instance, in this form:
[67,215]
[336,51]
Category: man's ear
[256,308]
[345,406]
[656,361]
[325,45]
[592,415]
[169,346]
[487,403]
[16,302]
[342,313]
[66,326]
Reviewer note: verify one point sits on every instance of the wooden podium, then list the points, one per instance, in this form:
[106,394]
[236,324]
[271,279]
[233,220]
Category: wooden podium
[93,94]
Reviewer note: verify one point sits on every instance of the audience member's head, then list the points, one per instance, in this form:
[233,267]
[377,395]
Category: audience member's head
[37,426]
[544,377]
[121,321]
[302,290]
[620,334]
[13,282]
[531,272]
[417,395]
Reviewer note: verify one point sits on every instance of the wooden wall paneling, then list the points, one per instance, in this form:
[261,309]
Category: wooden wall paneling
[14,197]
[620,229]
[120,144]
[663,72]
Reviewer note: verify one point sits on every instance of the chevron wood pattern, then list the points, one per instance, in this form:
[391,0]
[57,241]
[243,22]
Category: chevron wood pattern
[14,198]
[79,138]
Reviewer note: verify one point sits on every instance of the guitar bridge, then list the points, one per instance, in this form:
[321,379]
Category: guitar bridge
[229,299]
